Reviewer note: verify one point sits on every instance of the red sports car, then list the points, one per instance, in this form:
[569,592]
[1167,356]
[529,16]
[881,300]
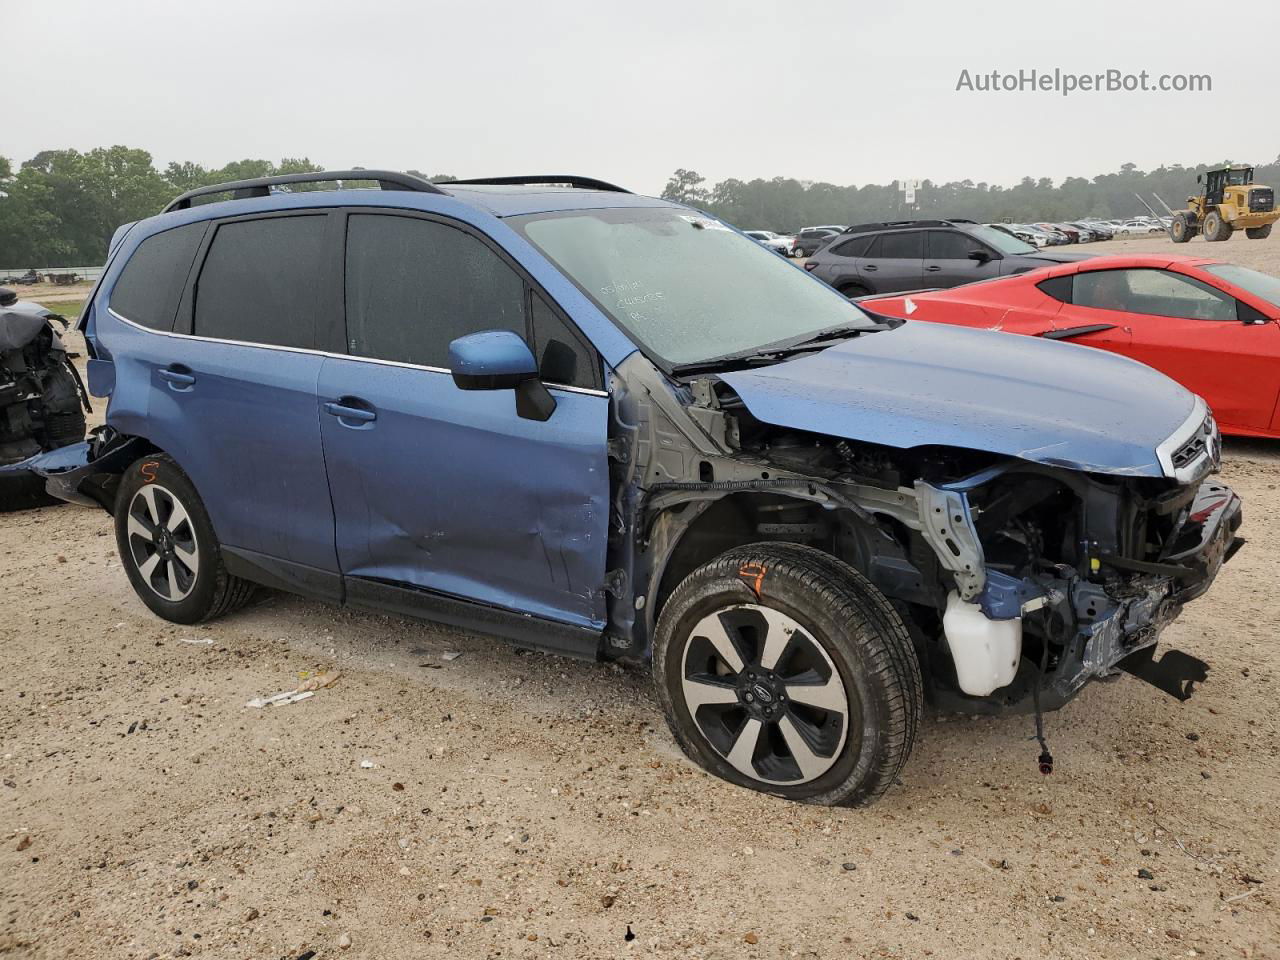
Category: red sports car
[1212,326]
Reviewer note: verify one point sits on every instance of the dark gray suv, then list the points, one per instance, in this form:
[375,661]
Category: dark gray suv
[874,258]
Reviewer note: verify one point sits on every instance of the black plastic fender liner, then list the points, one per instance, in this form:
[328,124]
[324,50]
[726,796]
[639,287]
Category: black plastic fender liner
[82,473]
[1176,673]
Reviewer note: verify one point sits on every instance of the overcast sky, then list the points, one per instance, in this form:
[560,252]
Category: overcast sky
[847,92]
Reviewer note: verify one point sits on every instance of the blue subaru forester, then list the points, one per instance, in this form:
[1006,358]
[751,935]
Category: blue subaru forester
[612,426]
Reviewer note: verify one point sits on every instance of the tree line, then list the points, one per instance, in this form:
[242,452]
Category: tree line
[60,207]
[784,204]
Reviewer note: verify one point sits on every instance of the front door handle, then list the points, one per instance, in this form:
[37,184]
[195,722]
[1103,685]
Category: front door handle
[934,268]
[346,412]
[177,376]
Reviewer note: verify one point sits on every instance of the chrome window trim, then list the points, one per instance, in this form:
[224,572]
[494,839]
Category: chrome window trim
[567,388]
[1165,451]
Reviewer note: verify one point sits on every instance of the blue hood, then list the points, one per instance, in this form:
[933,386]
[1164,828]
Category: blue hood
[926,384]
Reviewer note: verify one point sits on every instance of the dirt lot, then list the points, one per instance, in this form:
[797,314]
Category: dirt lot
[504,804]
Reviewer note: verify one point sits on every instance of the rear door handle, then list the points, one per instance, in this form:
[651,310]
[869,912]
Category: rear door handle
[345,412]
[870,267]
[177,377]
[933,268]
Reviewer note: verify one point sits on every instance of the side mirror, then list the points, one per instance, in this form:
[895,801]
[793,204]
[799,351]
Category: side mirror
[1197,178]
[982,256]
[501,360]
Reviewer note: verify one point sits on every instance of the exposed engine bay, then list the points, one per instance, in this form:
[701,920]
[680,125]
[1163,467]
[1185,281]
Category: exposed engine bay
[42,402]
[1018,581]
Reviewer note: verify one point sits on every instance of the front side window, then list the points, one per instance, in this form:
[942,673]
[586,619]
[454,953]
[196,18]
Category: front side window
[260,281]
[415,285]
[686,287]
[952,245]
[1001,241]
[148,288]
[1153,292]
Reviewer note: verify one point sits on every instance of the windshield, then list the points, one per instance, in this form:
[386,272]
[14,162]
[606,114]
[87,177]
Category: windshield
[1000,240]
[1259,284]
[685,286]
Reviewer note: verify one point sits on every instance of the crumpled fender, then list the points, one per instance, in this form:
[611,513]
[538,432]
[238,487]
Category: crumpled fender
[76,473]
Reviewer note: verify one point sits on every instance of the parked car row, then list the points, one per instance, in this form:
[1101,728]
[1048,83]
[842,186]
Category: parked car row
[809,240]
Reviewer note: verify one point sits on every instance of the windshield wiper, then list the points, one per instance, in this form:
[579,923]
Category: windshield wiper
[771,352]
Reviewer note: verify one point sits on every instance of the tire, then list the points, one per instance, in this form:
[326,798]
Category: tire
[1258,233]
[1213,227]
[852,732]
[1181,229]
[852,290]
[158,504]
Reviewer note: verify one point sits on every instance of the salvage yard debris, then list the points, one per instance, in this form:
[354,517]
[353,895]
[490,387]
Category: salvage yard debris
[303,691]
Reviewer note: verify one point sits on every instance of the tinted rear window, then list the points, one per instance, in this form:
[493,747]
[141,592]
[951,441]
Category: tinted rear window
[856,247]
[148,289]
[259,282]
[908,245]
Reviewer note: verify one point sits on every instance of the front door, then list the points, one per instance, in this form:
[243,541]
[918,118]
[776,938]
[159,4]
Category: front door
[948,261]
[450,491]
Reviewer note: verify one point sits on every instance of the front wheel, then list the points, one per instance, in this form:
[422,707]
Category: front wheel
[784,670]
[168,548]
[1181,230]
[1258,233]
[1213,228]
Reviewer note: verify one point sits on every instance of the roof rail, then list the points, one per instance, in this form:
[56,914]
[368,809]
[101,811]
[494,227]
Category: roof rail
[261,186]
[582,183]
[893,224]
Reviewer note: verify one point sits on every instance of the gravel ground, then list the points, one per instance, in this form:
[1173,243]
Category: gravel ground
[510,804]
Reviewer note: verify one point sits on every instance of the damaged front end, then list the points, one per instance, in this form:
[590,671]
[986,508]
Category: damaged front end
[1019,581]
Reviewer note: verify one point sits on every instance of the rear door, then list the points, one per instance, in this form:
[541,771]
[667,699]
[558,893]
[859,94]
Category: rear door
[894,261]
[450,491]
[232,391]
[949,261]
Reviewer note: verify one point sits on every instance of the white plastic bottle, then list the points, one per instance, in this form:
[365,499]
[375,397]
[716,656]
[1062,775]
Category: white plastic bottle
[986,651]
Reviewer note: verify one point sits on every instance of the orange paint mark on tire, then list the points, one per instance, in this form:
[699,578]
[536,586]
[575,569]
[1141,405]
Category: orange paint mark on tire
[753,575]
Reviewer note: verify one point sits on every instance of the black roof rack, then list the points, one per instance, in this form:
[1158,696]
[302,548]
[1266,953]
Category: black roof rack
[582,183]
[895,224]
[261,186]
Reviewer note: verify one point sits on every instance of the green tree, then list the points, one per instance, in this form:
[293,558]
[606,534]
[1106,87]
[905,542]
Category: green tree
[685,186]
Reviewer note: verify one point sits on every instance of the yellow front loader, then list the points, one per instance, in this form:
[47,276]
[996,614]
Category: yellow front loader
[1230,201]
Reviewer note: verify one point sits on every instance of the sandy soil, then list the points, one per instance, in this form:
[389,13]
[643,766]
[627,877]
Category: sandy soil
[519,805]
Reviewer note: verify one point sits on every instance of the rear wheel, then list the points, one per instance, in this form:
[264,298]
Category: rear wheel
[168,547]
[783,670]
[1258,233]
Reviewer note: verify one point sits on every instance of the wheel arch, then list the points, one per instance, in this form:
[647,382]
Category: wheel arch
[693,532]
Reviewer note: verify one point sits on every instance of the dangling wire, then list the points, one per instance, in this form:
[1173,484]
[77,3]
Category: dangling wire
[1046,758]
